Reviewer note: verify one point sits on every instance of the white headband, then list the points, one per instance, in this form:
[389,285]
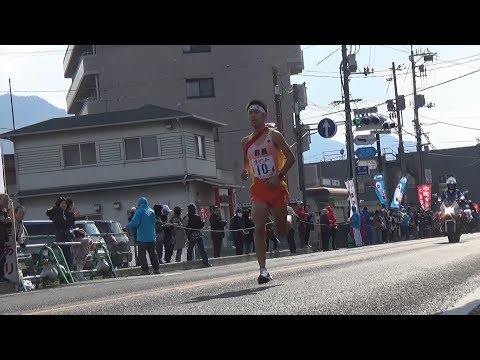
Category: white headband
[257,107]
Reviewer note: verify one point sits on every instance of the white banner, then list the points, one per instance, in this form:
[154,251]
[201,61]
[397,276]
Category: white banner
[352,195]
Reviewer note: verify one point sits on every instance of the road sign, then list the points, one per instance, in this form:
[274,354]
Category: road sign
[362,170]
[383,131]
[364,139]
[372,164]
[366,152]
[327,128]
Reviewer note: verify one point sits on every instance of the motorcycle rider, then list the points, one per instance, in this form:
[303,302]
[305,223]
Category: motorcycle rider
[451,194]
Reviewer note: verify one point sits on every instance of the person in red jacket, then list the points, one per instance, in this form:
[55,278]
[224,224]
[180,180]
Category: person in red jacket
[332,226]
[302,226]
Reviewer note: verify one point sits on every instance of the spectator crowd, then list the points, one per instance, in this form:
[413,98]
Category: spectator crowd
[163,233]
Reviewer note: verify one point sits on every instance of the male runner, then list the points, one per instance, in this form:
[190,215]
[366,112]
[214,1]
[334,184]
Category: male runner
[267,159]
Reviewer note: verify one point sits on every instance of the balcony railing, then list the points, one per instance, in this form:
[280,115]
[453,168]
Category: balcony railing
[73,57]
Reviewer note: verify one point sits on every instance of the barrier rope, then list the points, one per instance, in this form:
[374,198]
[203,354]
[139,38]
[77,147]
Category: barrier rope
[243,229]
[397,225]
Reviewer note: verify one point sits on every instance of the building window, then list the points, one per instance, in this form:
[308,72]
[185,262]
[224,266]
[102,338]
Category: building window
[79,154]
[196,48]
[141,148]
[199,88]
[200,146]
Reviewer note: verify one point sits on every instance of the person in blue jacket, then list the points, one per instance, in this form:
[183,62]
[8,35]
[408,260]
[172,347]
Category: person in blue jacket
[355,222]
[144,222]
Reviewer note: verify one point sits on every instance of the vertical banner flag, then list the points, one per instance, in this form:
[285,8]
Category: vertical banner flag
[10,269]
[352,194]
[380,189]
[425,196]
[3,186]
[398,194]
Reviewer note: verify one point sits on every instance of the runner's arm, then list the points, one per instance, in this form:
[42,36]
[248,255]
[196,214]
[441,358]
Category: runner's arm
[245,160]
[280,142]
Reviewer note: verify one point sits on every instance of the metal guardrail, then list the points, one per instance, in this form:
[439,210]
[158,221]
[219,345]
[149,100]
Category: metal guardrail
[60,268]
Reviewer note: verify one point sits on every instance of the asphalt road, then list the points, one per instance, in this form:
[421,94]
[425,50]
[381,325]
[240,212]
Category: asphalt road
[413,277]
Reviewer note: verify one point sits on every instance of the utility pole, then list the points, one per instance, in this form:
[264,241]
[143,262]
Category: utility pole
[278,102]
[401,149]
[418,130]
[379,154]
[298,127]
[348,117]
[11,103]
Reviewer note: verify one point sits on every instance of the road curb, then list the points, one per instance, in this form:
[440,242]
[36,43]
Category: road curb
[467,305]
[197,264]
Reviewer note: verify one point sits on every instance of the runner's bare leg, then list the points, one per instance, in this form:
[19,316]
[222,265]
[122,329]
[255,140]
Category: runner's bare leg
[280,218]
[259,216]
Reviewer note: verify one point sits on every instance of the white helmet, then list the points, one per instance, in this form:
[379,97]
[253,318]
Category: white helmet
[451,183]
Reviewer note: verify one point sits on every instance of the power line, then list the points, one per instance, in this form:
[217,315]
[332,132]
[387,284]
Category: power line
[433,86]
[452,61]
[463,63]
[449,124]
[390,47]
[338,77]
[308,47]
[323,108]
[329,55]
[447,81]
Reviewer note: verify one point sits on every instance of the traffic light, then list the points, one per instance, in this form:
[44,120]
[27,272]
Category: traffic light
[370,122]
[388,124]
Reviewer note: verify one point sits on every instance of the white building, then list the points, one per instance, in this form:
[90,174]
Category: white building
[106,161]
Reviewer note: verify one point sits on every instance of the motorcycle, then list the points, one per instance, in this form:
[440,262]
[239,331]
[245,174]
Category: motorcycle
[451,221]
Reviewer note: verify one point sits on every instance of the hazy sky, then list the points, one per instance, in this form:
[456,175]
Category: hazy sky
[38,70]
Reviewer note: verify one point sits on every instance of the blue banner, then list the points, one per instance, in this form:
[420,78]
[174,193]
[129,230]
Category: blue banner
[380,189]
[398,194]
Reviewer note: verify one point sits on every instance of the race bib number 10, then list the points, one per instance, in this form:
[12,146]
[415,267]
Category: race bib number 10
[264,167]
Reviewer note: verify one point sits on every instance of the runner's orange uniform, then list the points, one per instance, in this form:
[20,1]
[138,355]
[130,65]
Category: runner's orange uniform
[265,160]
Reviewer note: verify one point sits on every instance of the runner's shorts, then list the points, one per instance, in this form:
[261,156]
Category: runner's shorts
[273,197]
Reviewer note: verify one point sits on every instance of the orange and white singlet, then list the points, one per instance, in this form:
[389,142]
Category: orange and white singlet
[265,160]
